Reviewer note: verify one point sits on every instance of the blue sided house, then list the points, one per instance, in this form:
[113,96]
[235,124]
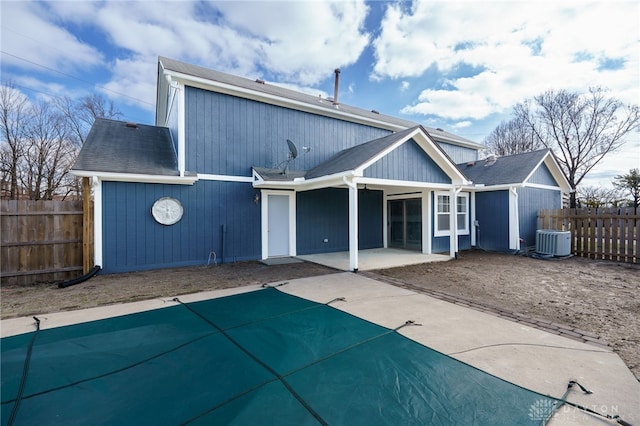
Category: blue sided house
[248,170]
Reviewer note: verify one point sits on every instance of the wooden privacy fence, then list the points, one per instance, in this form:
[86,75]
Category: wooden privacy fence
[598,233]
[40,241]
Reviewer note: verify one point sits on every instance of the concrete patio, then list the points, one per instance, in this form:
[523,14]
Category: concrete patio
[380,258]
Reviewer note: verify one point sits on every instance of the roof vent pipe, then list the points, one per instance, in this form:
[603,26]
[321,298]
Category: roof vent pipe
[335,86]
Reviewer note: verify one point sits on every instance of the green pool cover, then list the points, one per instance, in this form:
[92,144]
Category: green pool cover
[259,358]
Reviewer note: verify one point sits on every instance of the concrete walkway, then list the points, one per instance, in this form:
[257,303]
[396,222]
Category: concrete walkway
[524,355]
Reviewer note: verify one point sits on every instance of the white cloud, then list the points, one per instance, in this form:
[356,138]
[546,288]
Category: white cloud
[404,86]
[520,49]
[300,42]
[27,33]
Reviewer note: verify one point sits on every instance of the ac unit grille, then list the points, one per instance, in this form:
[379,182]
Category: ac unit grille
[553,243]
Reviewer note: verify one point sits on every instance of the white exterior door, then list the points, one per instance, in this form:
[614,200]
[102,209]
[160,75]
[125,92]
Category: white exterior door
[278,225]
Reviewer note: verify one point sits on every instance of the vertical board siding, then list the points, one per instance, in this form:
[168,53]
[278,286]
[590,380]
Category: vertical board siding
[492,214]
[408,162]
[530,201]
[370,214]
[133,240]
[459,154]
[228,135]
[40,241]
[543,176]
[324,214]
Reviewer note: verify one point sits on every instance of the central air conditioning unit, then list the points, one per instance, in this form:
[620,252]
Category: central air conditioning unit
[553,243]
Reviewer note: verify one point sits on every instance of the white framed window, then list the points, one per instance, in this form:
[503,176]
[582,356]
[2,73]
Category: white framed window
[442,213]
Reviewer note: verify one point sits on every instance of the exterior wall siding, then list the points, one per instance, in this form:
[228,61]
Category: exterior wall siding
[228,135]
[492,214]
[133,240]
[543,176]
[459,154]
[324,214]
[407,162]
[530,201]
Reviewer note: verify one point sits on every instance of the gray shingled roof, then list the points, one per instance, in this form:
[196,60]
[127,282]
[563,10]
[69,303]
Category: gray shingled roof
[511,169]
[277,175]
[352,158]
[274,90]
[116,147]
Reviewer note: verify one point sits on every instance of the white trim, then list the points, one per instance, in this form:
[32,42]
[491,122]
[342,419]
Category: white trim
[181,130]
[385,218]
[430,148]
[136,177]
[267,98]
[225,178]
[453,211]
[426,222]
[541,186]
[97,222]
[556,172]
[264,218]
[353,226]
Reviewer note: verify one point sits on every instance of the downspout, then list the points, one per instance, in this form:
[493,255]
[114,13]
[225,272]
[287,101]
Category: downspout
[514,220]
[353,224]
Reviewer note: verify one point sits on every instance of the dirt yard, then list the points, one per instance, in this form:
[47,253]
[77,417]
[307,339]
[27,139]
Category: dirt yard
[599,297]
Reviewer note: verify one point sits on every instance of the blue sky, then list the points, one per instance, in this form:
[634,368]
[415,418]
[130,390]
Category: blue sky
[460,66]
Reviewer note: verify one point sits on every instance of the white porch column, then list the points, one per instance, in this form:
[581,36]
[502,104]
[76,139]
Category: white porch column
[353,226]
[426,222]
[453,223]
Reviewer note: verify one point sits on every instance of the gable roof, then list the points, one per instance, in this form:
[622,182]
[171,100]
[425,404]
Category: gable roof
[269,93]
[355,159]
[119,147]
[512,169]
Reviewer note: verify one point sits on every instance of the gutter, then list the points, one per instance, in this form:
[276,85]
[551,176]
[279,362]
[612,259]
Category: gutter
[137,177]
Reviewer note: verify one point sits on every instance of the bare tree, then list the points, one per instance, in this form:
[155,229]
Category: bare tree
[580,129]
[512,137]
[597,196]
[13,114]
[81,113]
[629,184]
[40,142]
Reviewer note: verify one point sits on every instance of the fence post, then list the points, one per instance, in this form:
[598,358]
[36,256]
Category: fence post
[87,226]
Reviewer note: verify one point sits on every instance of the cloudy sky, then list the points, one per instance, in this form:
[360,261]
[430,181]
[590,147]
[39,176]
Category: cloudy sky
[460,66]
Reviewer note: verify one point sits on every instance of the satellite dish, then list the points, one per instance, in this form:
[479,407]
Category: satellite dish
[293,151]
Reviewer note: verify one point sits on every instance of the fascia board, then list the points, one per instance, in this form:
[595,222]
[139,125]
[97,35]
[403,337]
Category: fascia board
[554,169]
[135,177]
[242,92]
[428,145]
[359,171]
[502,187]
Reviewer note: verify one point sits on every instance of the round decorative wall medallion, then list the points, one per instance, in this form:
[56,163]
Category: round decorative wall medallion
[167,210]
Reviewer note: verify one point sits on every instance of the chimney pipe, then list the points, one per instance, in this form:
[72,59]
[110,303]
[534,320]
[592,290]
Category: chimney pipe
[335,87]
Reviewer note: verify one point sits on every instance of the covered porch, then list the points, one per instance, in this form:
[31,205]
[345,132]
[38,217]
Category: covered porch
[380,258]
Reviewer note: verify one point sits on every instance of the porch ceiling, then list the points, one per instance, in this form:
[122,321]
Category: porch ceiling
[380,258]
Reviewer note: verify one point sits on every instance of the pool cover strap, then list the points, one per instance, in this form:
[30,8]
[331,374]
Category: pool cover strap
[263,357]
